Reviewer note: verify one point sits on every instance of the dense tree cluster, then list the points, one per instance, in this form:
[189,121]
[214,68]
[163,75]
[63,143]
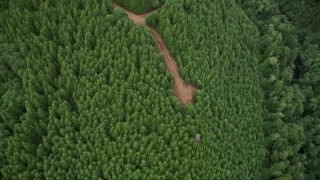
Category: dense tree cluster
[11,91]
[305,16]
[290,59]
[213,43]
[139,6]
[99,101]
[85,94]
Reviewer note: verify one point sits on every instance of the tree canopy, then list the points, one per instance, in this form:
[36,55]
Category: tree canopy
[84,93]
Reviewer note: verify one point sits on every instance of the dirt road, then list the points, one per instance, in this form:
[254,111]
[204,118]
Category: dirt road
[184,92]
[138,19]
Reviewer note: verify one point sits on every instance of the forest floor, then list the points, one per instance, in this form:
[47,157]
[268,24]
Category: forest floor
[184,92]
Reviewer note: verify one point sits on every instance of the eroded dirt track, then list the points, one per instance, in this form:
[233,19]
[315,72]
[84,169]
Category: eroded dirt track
[138,19]
[184,92]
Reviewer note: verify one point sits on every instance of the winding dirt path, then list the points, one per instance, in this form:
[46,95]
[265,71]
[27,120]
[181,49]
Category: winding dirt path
[184,92]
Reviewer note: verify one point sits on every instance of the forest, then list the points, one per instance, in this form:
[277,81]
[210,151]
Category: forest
[85,92]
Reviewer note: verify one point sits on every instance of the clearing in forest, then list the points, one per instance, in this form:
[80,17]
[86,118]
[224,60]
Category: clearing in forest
[184,92]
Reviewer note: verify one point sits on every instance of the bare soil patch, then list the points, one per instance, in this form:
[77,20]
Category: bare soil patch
[184,92]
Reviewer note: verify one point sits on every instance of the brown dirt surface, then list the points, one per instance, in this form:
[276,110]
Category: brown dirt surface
[137,19]
[184,92]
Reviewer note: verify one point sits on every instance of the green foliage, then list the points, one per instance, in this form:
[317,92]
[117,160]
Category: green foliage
[139,6]
[85,94]
[12,92]
[153,19]
[97,99]
[213,43]
[291,96]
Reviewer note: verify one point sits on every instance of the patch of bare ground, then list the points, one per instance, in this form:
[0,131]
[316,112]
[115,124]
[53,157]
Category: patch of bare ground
[184,92]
